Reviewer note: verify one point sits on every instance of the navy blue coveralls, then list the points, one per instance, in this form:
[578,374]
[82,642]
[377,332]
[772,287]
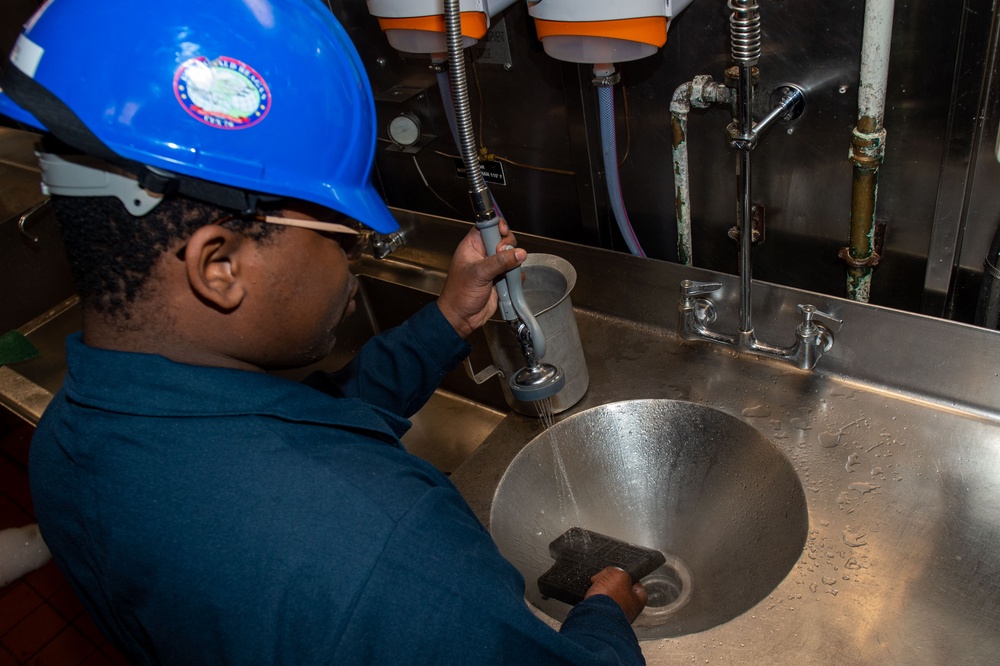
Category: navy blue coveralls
[209,515]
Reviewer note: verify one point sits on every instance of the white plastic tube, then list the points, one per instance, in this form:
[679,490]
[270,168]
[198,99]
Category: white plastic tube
[875,59]
[609,149]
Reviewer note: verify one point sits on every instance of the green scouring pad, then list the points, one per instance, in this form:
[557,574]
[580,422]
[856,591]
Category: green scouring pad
[580,554]
[15,348]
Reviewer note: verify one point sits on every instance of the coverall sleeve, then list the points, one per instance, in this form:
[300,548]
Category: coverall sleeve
[451,598]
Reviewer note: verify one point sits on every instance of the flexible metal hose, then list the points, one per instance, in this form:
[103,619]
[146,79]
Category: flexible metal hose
[463,114]
[513,306]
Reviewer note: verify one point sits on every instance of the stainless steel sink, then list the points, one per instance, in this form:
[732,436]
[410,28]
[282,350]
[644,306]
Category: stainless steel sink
[721,502]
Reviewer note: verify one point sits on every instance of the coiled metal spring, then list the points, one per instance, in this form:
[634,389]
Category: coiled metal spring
[744,31]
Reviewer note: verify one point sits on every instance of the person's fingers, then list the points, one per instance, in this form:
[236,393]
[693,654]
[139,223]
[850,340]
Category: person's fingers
[617,584]
[612,576]
[500,263]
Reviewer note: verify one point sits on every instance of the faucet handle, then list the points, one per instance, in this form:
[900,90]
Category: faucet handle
[809,312]
[691,288]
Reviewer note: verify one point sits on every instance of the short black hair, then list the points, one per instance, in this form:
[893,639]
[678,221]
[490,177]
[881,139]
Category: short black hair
[111,252]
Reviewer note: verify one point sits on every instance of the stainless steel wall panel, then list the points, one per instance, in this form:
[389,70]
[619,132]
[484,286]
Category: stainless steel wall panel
[538,112]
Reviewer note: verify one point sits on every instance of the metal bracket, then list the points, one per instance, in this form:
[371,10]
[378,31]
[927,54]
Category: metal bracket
[483,375]
[876,255]
[757,223]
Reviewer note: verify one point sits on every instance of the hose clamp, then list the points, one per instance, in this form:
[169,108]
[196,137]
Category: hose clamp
[607,81]
[869,262]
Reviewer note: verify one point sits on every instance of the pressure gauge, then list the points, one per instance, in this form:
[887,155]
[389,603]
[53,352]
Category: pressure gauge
[404,129]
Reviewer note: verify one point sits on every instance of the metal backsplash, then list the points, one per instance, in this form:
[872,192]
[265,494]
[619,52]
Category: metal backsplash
[937,193]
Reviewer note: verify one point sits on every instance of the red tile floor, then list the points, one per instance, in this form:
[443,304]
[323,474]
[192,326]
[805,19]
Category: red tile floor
[41,620]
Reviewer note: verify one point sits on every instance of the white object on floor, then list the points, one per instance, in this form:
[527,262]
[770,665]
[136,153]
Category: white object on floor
[21,551]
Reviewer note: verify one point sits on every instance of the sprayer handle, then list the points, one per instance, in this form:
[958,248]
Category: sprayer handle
[513,306]
[490,231]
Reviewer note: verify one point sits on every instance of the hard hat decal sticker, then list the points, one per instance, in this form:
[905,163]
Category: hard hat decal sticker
[224,93]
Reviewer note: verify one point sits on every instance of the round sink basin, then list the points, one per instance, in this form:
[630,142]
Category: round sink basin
[710,492]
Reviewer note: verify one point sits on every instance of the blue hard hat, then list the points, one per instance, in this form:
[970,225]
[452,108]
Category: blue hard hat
[267,97]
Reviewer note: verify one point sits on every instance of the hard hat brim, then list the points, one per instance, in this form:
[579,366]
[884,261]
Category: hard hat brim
[369,209]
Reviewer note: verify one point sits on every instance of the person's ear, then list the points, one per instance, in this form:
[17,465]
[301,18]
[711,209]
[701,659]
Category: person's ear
[215,261]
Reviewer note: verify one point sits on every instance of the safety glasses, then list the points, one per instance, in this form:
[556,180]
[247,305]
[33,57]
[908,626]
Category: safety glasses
[352,240]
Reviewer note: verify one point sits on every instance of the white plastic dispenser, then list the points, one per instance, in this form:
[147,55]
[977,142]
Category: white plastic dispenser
[417,26]
[603,31]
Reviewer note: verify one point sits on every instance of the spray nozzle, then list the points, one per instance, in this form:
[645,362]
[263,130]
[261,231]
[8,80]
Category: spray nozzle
[536,380]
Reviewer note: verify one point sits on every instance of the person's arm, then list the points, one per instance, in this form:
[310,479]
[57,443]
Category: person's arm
[443,594]
[399,369]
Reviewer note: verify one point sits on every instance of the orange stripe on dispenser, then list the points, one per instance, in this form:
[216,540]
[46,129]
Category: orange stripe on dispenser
[473,24]
[648,30]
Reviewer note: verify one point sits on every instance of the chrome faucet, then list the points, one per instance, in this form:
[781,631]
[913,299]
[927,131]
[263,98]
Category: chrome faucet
[812,339]
[697,311]
[385,244]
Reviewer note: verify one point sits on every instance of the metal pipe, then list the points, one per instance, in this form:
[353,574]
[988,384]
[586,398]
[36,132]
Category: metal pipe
[868,147]
[701,92]
[680,106]
[745,41]
[743,204]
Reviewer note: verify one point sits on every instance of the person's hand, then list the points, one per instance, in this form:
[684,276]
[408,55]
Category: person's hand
[468,298]
[617,584]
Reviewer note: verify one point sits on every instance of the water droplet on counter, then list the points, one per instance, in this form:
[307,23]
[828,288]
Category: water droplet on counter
[759,411]
[801,424]
[852,564]
[863,486]
[828,440]
[852,462]
[829,581]
[852,539]
[813,587]
[876,471]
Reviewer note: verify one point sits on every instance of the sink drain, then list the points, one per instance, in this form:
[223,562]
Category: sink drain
[669,589]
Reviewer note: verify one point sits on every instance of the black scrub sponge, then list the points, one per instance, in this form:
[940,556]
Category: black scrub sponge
[580,554]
